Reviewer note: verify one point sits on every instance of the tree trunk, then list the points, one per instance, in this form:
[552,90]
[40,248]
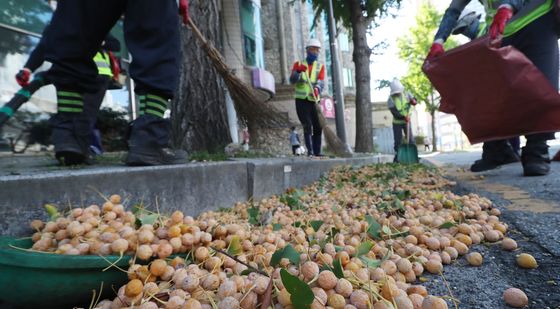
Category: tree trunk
[361,55]
[434,142]
[199,116]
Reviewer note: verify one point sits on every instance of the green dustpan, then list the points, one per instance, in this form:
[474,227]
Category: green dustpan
[407,153]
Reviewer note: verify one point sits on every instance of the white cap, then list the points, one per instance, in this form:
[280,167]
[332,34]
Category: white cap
[313,43]
[396,86]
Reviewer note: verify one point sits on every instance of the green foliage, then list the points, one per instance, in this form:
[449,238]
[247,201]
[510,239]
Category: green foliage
[316,225]
[413,49]
[287,252]
[293,199]
[301,294]
[374,228]
[447,224]
[371,10]
[144,216]
[253,215]
[364,248]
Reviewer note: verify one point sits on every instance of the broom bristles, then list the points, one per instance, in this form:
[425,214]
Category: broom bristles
[253,110]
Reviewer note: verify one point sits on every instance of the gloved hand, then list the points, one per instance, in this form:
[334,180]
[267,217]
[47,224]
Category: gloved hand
[301,68]
[435,51]
[413,102]
[184,10]
[316,92]
[23,76]
[503,15]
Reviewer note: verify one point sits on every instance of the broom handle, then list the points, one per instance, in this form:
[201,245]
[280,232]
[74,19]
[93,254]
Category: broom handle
[197,32]
[408,131]
[322,120]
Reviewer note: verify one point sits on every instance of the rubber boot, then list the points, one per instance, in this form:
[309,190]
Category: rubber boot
[535,158]
[317,145]
[494,154]
[71,136]
[149,137]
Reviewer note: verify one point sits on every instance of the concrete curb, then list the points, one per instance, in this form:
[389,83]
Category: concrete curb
[192,188]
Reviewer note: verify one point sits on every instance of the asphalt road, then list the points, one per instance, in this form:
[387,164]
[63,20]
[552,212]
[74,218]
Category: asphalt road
[531,208]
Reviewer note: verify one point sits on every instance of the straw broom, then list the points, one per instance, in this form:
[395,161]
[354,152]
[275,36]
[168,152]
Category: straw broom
[335,144]
[245,99]
[254,111]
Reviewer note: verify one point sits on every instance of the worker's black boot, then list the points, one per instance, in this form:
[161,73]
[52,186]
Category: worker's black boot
[71,139]
[71,129]
[494,154]
[535,158]
[317,145]
[148,142]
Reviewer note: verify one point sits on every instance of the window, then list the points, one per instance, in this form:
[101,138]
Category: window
[253,46]
[343,41]
[348,78]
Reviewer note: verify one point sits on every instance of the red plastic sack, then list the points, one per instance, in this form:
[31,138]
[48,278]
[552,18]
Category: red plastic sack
[495,93]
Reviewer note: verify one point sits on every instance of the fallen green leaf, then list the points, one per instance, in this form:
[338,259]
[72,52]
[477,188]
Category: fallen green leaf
[364,248]
[301,294]
[316,225]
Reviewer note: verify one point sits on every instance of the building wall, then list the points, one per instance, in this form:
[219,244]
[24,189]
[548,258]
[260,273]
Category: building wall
[232,38]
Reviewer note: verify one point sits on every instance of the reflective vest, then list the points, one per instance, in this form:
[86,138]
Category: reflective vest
[527,14]
[303,89]
[402,106]
[103,63]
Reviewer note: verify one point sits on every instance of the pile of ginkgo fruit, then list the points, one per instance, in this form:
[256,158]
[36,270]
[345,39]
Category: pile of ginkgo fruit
[357,238]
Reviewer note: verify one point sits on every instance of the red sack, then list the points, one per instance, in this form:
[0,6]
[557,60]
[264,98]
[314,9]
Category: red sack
[496,93]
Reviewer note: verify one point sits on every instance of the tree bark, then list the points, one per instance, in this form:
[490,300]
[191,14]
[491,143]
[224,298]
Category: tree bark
[361,57]
[199,116]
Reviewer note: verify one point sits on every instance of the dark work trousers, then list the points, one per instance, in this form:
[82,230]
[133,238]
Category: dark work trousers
[539,42]
[312,130]
[399,130]
[151,30]
[76,129]
[294,148]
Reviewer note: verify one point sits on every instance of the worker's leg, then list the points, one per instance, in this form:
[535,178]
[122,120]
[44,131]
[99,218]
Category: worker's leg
[92,103]
[397,137]
[152,36]
[304,109]
[494,154]
[539,42]
[74,35]
[317,130]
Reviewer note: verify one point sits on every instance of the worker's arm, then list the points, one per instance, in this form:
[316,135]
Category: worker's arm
[320,80]
[297,76]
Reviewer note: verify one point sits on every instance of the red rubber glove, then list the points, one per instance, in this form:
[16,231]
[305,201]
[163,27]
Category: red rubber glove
[435,51]
[23,76]
[301,68]
[503,15]
[184,10]
[316,92]
[413,102]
